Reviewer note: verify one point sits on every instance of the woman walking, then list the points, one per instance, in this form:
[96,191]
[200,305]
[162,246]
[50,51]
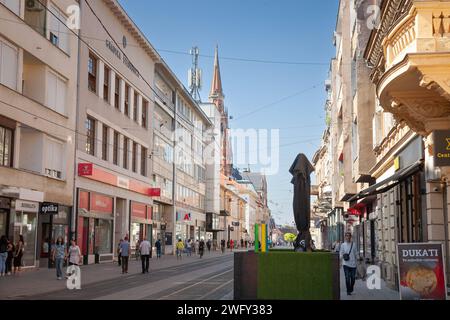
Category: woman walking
[75,257]
[18,254]
[9,260]
[58,256]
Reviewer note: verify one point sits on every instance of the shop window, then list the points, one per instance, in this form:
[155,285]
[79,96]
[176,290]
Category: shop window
[134,157]
[127,100]
[117,93]
[105,143]
[116,148]
[106,84]
[103,236]
[144,113]
[92,73]
[143,161]
[135,107]
[125,153]
[90,136]
[6,146]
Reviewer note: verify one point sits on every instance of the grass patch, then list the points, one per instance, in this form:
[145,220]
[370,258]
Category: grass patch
[287,275]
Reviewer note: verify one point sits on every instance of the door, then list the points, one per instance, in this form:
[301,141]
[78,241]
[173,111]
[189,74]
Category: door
[85,241]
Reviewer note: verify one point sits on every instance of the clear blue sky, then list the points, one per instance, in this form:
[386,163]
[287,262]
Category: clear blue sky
[273,30]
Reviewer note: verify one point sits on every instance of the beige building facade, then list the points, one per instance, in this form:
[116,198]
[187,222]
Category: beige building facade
[38,96]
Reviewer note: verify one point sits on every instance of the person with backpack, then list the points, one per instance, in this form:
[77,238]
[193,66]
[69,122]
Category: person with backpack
[125,252]
[349,257]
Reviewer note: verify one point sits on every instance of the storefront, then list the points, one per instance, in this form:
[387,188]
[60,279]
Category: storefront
[141,223]
[24,222]
[190,225]
[54,222]
[5,207]
[95,222]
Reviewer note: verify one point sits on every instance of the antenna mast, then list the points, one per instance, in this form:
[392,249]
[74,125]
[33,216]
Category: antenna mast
[195,75]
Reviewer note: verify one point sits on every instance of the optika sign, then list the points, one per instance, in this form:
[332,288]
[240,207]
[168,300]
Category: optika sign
[412,253]
[49,208]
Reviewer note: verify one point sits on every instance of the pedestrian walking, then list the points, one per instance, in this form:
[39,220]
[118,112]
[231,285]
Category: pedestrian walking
[136,250]
[242,243]
[222,245]
[119,255]
[208,245]
[125,254]
[180,248]
[18,254]
[59,255]
[201,248]
[3,255]
[231,244]
[9,260]
[196,244]
[75,257]
[158,249]
[189,248]
[144,249]
[349,256]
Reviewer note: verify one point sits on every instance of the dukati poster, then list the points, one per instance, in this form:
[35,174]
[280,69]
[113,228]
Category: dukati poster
[421,271]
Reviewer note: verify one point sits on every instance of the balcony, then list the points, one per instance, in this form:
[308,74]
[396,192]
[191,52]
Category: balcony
[411,56]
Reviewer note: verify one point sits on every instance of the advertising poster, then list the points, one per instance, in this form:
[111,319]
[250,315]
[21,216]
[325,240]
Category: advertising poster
[421,271]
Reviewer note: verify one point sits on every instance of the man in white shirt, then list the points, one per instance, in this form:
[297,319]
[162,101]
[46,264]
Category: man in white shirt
[145,248]
[349,256]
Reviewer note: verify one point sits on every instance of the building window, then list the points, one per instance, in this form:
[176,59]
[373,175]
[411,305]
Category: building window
[105,143]
[106,85]
[54,159]
[143,161]
[116,148]
[125,153]
[92,69]
[116,93]
[90,136]
[6,147]
[134,157]
[59,33]
[144,113]
[8,65]
[127,100]
[56,93]
[135,107]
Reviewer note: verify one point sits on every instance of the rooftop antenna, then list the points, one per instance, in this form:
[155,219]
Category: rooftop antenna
[195,75]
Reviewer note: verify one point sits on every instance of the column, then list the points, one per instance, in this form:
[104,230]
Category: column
[130,154]
[16,155]
[120,158]
[112,86]
[122,96]
[111,144]
[100,78]
[139,110]
[138,159]
[131,95]
[98,139]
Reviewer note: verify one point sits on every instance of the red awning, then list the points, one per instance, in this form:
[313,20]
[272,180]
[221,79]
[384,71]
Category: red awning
[357,209]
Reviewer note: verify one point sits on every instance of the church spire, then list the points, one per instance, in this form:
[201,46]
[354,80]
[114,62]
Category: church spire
[216,85]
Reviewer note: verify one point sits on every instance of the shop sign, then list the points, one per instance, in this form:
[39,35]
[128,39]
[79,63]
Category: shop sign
[154,192]
[421,271]
[27,206]
[181,216]
[123,182]
[85,169]
[235,223]
[441,149]
[49,208]
[138,210]
[100,203]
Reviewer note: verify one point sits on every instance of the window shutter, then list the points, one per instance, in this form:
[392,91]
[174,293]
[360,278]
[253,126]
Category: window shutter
[51,90]
[8,65]
[61,96]
[12,5]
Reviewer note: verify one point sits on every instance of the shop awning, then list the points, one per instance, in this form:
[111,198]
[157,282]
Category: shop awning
[390,182]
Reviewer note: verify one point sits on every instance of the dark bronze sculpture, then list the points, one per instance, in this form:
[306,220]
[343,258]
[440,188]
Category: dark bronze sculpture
[301,170]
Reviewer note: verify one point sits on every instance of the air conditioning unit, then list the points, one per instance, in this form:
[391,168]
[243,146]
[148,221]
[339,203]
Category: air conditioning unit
[33,5]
